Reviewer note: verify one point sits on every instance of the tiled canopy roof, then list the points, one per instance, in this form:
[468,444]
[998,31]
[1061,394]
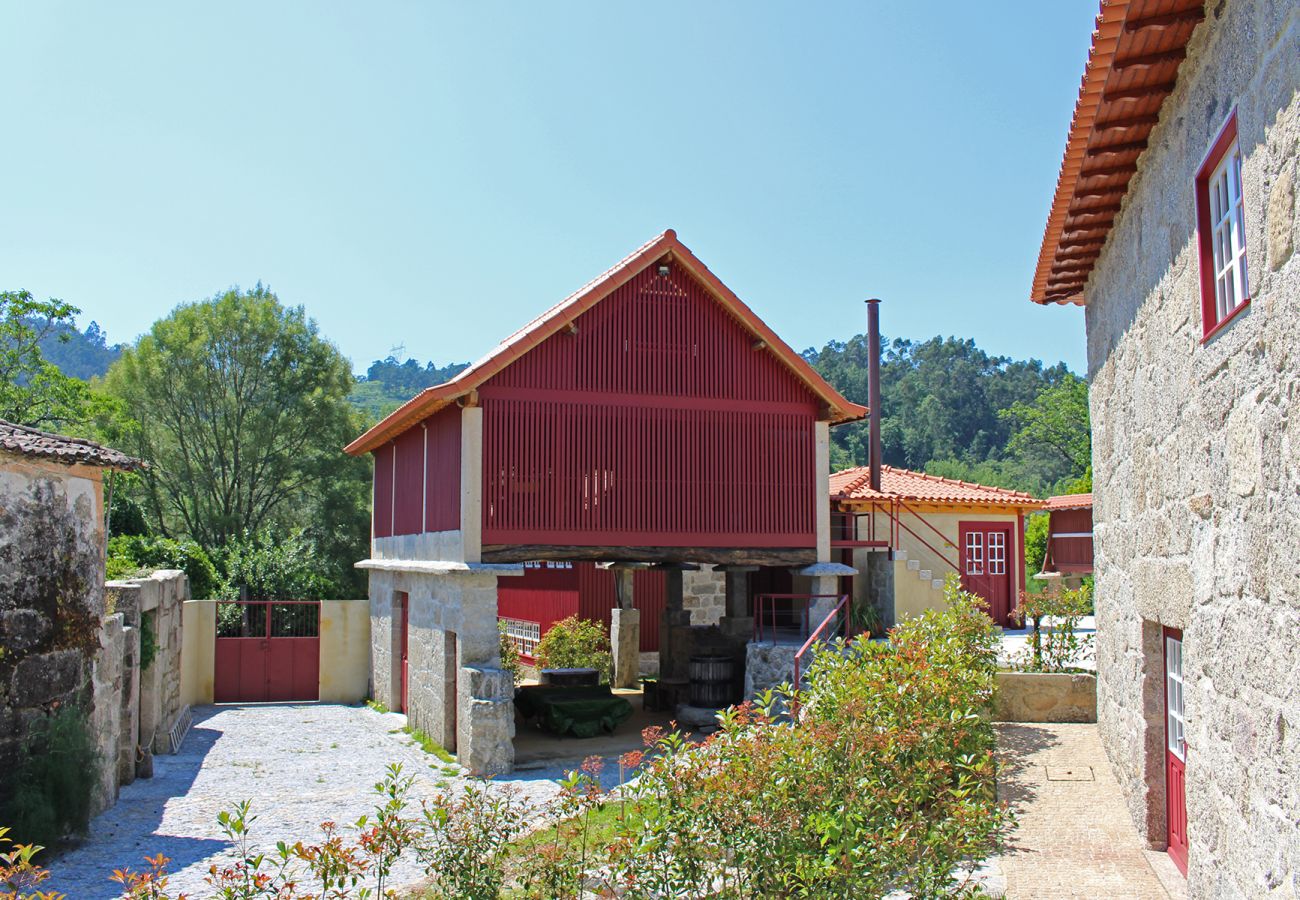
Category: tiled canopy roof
[664,246]
[24,441]
[1069,501]
[853,485]
[1132,67]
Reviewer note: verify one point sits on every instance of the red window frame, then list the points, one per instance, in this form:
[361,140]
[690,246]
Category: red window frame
[1211,324]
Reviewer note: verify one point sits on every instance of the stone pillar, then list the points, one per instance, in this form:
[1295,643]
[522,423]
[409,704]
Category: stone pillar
[625,630]
[821,578]
[674,644]
[738,624]
[471,483]
[822,462]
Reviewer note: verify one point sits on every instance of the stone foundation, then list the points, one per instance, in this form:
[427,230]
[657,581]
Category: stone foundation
[1045,697]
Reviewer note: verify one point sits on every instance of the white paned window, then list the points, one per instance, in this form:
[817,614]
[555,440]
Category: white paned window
[1175,724]
[1228,234]
[997,553]
[974,553]
[525,634]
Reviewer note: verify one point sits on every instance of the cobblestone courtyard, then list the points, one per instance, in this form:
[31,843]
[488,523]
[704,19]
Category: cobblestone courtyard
[299,764]
[1074,836]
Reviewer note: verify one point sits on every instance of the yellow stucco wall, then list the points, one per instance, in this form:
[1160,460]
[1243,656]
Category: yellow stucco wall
[912,594]
[198,650]
[344,650]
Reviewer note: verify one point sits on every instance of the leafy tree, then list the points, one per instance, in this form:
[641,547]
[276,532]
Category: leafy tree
[33,391]
[78,354]
[130,555]
[389,383]
[1055,425]
[274,565]
[241,407]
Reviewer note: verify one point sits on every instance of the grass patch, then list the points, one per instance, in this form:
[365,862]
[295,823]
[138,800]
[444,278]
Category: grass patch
[428,744]
[377,706]
[603,827]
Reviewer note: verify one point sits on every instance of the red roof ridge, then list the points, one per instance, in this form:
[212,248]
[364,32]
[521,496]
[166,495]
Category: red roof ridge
[431,399]
[990,493]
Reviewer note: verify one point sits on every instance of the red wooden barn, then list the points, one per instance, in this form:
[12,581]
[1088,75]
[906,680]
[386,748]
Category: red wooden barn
[650,418]
[1069,535]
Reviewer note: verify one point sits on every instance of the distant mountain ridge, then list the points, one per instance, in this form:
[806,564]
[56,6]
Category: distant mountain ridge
[79,354]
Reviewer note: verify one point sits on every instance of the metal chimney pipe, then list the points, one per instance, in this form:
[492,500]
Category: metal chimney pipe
[873,388]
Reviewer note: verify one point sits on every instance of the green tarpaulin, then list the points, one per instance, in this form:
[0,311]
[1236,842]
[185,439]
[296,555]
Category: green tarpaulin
[578,711]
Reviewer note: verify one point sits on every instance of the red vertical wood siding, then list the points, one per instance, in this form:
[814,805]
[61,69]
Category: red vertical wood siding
[547,595]
[383,514]
[442,492]
[657,424]
[417,504]
[408,498]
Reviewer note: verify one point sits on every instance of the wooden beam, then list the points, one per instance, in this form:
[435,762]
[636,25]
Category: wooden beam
[1150,59]
[1166,20]
[1138,92]
[1126,122]
[762,556]
[1112,149]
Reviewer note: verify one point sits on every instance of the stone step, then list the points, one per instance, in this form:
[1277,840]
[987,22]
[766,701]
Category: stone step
[936,583]
[913,564]
[900,554]
[926,574]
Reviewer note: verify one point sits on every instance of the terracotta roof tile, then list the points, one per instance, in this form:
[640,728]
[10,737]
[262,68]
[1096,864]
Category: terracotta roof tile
[1133,63]
[30,442]
[904,484]
[1069,501]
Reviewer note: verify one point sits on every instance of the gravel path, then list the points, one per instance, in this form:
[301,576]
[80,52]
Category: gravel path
[300,764]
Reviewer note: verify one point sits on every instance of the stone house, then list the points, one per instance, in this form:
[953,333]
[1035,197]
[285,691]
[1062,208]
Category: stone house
[1174,223]
[61,644]
[906,535]
[649,422]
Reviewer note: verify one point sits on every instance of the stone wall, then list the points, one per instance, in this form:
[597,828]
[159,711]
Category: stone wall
[1196,479]
[704,595]
[1045,697]
[51,594]
[456,691]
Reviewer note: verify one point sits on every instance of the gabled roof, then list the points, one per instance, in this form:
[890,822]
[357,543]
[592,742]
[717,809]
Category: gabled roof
[1069,501]
[1132,67]
[852,486]
[558,317]
[30,442]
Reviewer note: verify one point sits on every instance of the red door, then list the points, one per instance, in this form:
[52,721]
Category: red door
[986,562]
[1175,750]
[267,651]
[404,610]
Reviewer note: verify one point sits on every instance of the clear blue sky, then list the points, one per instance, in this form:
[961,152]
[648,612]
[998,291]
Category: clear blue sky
[434,175]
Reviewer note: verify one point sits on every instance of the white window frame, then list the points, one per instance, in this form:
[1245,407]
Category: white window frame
[1175,720]
[1228,234]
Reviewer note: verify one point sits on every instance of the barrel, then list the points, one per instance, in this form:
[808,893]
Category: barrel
[711,681]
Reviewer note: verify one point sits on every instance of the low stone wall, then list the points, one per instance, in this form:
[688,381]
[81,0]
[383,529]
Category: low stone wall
[1045,697]
[767,666]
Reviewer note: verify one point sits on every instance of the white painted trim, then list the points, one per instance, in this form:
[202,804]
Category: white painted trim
[1071,534]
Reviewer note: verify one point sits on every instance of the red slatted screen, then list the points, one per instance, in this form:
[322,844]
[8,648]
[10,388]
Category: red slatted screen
[383,515]
[421,506]
[657,424]
[547,595]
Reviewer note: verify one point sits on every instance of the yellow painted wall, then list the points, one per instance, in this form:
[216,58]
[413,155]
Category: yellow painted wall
[344,650]
[198,650]
[912,595]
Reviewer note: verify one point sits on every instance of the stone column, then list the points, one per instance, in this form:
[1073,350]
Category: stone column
[674,646]
[737,624]
[625,630]
[471,483]
[821,578]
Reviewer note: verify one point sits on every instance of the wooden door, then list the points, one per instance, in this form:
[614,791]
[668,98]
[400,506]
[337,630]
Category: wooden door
[1175,750]
[404,611]
[987,559]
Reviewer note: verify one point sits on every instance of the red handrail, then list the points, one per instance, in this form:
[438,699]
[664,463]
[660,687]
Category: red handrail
[759,603]
[939,553]
[813,638]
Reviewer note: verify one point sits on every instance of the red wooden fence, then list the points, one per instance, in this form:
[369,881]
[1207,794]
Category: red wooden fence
[423,494]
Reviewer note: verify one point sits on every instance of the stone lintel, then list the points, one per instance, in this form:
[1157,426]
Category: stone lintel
[676,567]
[439,567]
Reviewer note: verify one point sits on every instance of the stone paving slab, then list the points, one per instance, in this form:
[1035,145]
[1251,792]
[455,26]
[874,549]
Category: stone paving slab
[1074,836]
[300,764]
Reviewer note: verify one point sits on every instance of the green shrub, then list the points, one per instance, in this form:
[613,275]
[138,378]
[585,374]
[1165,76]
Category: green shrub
[53,780]
[274,565]
[148,642]
[510,655]
[576,643]
[1057,647]
[132,555]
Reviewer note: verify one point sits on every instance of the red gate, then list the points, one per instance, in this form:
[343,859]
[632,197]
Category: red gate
[267,650]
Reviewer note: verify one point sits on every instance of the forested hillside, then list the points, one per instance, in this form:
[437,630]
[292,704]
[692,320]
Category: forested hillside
[949,408]
[81,354]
